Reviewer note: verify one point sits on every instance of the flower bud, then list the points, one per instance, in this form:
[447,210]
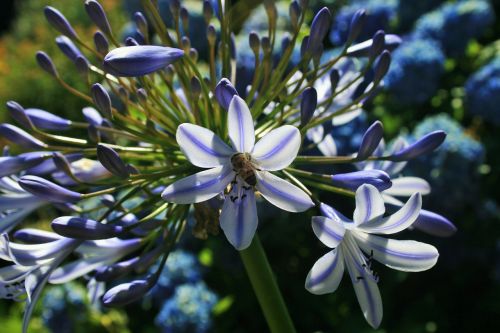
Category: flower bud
[434,224]
[45,62]
[352,180]
[101,99]
[59,22]
[308,103]
[16,135]
[378,43]
[112,161]
[126,293]
[98,16]
[35,236]
[116,270]
[69,49]
[319,27]
[18,113]
[208,11]
[92,116]
[82,66]
[195,87]
[294,12]
[265,42]
[254,41]
[141,23]
[224,92]
[47,121]
[424,145]
[211,35]
[334,80]
[184,14]
[356,26]
[362,49]
[193,55]
[82,228]
[140,60]
[131,41]
[370,141]
[47,190]
[101,43]
[382,66]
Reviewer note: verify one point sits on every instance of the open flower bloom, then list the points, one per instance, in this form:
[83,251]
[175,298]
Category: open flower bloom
[355,245]
[245,166]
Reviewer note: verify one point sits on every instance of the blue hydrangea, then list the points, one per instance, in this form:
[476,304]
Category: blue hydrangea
[63,301]
[410,11]
[348,136]
[453,25]
[188,310]
[379,16]
[483,92]
[452,170]
[416,68]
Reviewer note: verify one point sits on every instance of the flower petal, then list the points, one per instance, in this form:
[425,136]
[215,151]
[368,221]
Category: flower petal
[281,193]
[398,221]
[326,274]
[406,186]
[238,219]
[201,146]
[329,231]
[404,255]
[240,125]
[369,205]
[199,187]
[278,148]
[328,147]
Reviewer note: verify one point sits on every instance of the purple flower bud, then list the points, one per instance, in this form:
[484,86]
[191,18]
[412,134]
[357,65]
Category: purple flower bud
[114,271]
[434,224]
[352,180]
[69,49]
[254,41]
[195,86]
[141,22]
[378,41]
[308,103]
[208,11]
[45,63]
[130,41]
[382,66]
[62,163]
[303,46]
[101,43]
[16,135]
[82,228]
[35,236]
[126,293]
[356,26]
[334,79]
[15,164]
[140,60]
[48,165]
[211,34]
[112,161]
[98,16]
[285,42]
[319,27]
[424,145]
[370,141]
[101,99]
[47,190]
[92,116]
[362,49]
[294,12]
[82,66]
[19,114]
[224,92]
[59,22]
[265,42]
[47,121]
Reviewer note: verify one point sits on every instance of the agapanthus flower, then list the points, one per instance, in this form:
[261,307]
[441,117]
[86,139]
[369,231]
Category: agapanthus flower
[245,166]
[355,243]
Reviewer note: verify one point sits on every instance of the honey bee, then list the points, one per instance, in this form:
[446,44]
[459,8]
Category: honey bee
[243,166]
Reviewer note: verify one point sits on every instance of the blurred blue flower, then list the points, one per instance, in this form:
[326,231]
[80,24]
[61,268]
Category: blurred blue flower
[482,91]
[416,67]
[63,307]
[379,16]
[188,310]
[410,11]
[452,170]
[453,25]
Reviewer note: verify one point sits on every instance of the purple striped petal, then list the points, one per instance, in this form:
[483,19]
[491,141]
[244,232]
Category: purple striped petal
[278,148]
[200,186]
[281,193]
[240,125]
[326,274]
[406,186]
[434,224]
[238,218]
[369,205]
[202,147]
[398,221]
[329,231]
[403,255]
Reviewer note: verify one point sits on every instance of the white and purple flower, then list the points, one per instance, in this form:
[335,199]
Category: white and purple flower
[245,166]
[355,244]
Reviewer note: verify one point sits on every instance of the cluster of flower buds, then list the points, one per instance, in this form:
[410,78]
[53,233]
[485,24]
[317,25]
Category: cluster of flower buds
[160,134]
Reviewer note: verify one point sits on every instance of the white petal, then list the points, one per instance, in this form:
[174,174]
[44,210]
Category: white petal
[240,125]
[239,220]
[346,117]
[328,147]
[369,205]
[329,231]
[365,286]
[406,186]
[404,255]
[202,147]
[326,274]
[14,273]
[398,221]
[281,193]
[199,187]
[316,134]
[79,268]
[278,148]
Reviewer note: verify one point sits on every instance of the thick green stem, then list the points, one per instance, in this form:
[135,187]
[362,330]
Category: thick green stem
[265,287]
